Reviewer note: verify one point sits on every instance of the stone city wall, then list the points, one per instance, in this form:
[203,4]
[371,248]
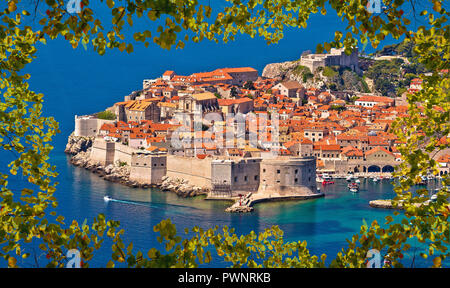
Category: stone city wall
[88,126]
[291,176]
[110,152]
[233,177]
[196,171]
[148,169]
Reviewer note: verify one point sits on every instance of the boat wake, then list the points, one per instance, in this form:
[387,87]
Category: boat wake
[109,199]
[146,204]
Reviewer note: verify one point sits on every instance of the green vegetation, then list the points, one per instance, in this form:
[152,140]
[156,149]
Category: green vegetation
[337,107]
[330,72]
[303,72]
[27,135]
[391,76]
[307,76]
[352,100]
[404,48]
[106,115]
[400,91]
[233,92]
[342,78]
[387,76]
[364,84]
[332,86]
[300,70]
[249,85]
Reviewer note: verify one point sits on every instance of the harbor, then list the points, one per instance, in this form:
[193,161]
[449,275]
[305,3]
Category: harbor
[324,222]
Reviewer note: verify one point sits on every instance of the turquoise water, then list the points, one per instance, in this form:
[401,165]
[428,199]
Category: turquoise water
[77,82]
[324,223]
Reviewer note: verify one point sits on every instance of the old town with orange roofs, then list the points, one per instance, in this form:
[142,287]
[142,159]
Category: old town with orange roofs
[231,133]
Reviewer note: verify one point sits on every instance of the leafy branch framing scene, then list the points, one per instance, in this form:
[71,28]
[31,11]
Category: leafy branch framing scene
[31,224]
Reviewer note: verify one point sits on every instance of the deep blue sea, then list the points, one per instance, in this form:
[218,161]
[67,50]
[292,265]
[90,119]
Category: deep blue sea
[77,82]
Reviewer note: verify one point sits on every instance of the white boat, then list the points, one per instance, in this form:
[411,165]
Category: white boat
[357,181]
[354,187]
[326,177]
[349,178]
[107,198]
[375,179]
[433,198]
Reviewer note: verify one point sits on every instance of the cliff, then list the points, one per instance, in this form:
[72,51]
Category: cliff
[77,144]
[333,78]
[282,71]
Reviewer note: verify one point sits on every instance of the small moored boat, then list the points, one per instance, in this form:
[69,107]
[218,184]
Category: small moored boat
[354,187]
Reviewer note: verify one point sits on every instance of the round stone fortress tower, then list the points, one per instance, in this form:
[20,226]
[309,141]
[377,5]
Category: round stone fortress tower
[285,177]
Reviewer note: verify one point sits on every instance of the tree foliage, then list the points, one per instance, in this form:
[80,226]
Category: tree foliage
[27,135]
[107,115]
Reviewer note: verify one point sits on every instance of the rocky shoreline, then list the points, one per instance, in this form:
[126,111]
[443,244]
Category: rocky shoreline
[384,204]
[77,144]
[182,187]
[80,149]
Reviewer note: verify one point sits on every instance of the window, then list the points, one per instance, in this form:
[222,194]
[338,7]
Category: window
[296,180]
[296,171]
[278,171]
[256,177]
[245,178]
[235,179]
